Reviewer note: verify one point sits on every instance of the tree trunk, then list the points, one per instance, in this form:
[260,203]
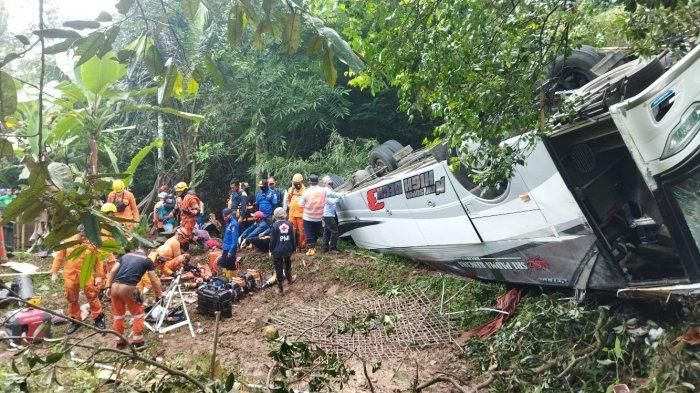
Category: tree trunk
[259,149]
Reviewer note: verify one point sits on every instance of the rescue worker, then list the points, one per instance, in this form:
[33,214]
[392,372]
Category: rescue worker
[124,294]
[313,201]
[238,201]
[171,253]
[272,183]
[296,212]
[125,203]
[265,200]
[189,207]
[281,248]
[330,221]
[157,222]
[108,209]
[228,257]
[253,234]
[168,258]
[71,280]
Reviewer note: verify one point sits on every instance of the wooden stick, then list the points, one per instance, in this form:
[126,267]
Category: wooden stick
[216,343]
[19,274]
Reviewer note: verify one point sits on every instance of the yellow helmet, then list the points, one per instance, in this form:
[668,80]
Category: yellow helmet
[297,178]
[118,185]
[181,186]
[109,207]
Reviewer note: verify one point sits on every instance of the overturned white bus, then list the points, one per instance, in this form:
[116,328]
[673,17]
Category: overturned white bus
[608,201]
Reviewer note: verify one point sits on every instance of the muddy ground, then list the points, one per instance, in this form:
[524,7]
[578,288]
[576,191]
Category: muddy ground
[243,349]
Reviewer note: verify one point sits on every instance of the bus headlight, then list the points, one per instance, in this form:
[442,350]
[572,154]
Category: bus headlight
[684,132]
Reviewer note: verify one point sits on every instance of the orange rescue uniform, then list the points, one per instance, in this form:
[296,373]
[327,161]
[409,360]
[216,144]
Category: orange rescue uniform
[110,260]
[189,207]
[296,214]
[122,295]
[71,278]
[130,212]
[174,259]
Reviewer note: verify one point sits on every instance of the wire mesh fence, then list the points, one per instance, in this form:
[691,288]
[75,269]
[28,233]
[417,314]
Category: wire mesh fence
[369,325]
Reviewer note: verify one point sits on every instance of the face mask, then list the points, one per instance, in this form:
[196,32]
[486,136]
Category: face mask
[297,186]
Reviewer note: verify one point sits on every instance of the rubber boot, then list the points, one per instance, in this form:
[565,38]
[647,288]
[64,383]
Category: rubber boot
[100,322]
[72,328]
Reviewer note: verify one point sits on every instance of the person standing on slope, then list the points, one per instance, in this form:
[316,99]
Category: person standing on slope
[189,207]
[125,203]
[296,212]
[282,246]
[313,201]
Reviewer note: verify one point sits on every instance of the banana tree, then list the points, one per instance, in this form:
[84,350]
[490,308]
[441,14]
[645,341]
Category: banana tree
[93,99]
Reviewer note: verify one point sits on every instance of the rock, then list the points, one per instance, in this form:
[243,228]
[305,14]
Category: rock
[333,290]
[655,334]
[270,332]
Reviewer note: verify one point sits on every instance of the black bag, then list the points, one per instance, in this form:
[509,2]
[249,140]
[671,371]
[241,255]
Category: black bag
[211,299]
[121,206]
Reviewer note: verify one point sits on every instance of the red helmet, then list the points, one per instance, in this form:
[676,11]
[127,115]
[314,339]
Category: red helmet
[259,215]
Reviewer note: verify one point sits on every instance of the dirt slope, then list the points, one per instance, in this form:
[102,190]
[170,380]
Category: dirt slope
[242,347]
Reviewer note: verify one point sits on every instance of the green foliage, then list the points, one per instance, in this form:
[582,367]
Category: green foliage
[341,156]
[8,95]
[551,346]
[475,66]
[303,361]
[656,25]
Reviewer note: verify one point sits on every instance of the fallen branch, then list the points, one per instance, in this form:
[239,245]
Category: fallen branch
[132,354]
[141,359]
[445,379]
[591,350]
[369,381]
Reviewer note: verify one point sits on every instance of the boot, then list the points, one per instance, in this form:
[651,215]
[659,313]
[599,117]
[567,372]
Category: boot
[121,344]
[280,291]
[100,321]
[72,328]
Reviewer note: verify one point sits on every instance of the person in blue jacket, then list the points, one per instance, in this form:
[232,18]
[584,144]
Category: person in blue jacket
[253,234]
[228,257]
[266,200]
